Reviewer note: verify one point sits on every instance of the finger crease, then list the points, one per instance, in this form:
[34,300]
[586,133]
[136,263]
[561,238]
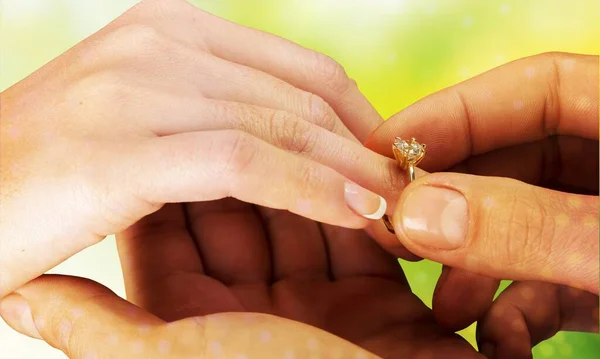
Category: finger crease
[467,115]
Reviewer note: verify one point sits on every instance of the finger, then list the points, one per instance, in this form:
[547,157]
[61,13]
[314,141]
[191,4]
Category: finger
[303,68]
[78,316]
[501,228]
[86,320]
[527,313]
[555,162]
[203,166]
[298,250]
[353,254]
[519,102]
[202,75]
[379,232]
[296,135]
[264,90]
[162,266]
[149,235]
[461,297]
[231,238]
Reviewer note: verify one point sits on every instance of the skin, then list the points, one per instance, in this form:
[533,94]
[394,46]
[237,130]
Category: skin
[546,239]
[156,129]
[140,134]
[107,137]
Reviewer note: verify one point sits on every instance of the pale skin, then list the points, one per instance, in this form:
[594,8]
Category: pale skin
[164,107]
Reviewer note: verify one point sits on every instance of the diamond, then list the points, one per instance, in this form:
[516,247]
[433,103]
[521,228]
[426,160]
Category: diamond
[411,151]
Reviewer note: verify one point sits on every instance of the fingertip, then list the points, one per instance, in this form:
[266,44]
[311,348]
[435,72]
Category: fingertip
[15,310]
[461,298]
[364,202]
[388,241]
[378,214]
[433,217]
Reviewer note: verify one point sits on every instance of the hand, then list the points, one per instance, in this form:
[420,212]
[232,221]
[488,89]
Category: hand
[87,321]
[229,256]
[528,312]
[504,228]
[216,263]
[170,104]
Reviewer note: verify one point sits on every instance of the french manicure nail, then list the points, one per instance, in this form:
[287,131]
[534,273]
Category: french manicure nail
[17,314]
[435,217]
[364,202]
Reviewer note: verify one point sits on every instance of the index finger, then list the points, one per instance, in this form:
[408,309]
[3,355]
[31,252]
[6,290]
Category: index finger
[522,101]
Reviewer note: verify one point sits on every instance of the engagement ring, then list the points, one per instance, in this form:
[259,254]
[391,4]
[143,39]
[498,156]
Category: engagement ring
[408,155]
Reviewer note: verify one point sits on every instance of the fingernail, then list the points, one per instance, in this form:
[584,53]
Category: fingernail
[17,314]
[488,350]
[364,202]
[435,217]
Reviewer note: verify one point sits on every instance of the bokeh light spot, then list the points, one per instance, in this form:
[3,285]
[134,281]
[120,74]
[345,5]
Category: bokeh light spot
[518,326]
[504,9]
[575,201]
[530,72]
[518,104]
[312,344]
[546,350]
[137,347]
[590,222]
[562,220]
[468,21]
[527,292]
[568,64]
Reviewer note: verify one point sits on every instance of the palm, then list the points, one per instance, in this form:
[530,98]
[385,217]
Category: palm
[229,256]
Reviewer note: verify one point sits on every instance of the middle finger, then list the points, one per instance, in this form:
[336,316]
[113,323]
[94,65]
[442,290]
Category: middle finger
[189,72]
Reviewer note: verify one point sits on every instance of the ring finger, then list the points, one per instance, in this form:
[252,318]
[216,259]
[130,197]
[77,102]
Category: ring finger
[284,130]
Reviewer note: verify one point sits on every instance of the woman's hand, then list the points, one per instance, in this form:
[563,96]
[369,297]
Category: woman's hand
[502,227]
[171,104]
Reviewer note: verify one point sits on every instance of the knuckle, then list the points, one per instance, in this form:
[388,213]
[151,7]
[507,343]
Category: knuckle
[132,41]
[161,5]
[527,226]
[143,37]
[552,102]
[240,151]
[311,180]
[331,73]
[320,113]
[105,89]
[291,133]
[245,118]
[393,180]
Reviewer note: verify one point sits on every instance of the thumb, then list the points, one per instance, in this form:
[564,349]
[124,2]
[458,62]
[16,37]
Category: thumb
[501,228]
[87,321]
[78,316]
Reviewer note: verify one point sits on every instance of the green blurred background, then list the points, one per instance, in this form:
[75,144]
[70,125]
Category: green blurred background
[397,50]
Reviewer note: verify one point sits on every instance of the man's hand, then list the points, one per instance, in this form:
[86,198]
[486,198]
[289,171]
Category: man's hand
[500,226]
[228,256]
